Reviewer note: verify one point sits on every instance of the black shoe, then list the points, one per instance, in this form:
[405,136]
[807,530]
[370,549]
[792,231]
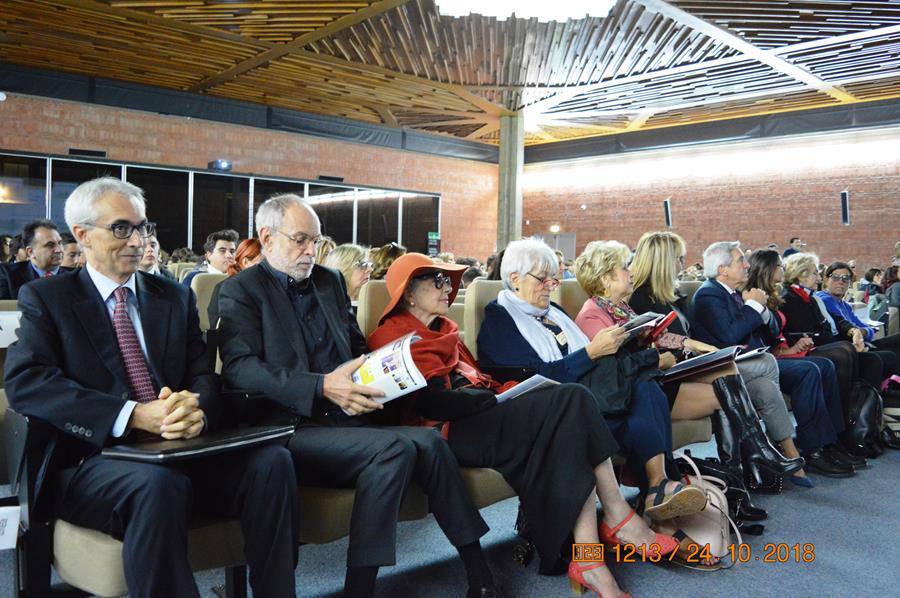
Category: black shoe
[750,512]
[890,439]
[836,453]
[818,462]
[491,591]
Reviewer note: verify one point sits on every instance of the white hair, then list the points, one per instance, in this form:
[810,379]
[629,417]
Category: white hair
[271,212]
[80,203]
[525,255]
[718,254]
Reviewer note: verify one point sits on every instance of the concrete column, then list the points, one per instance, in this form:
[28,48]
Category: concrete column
[512,159]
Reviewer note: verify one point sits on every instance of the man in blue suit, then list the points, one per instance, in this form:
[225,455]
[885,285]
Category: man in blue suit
[723,315]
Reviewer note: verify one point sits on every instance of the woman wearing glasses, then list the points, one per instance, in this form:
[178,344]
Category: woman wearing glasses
[551,445]
[352,261]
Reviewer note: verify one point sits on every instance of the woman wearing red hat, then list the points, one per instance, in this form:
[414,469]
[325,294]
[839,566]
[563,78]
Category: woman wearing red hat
[551,445]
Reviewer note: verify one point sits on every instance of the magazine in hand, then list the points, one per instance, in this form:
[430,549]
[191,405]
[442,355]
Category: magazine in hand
[660,328]
[391,369]
[701,363]
[639,324]
[750,353]
[534,383]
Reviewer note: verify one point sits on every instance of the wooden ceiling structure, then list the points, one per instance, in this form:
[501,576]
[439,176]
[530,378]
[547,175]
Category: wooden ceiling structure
[647,64]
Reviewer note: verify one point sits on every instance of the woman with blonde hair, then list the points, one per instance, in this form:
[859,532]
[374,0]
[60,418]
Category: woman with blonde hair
[352,261]
[382,258]
[324,249]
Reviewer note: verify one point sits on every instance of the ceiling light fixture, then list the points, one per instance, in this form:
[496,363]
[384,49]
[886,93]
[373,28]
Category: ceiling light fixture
[542,10]
[220,164]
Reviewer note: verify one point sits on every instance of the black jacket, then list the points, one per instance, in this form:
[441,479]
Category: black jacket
[261,346]
[14,275]
[808,317]
[65,369]
[641,302]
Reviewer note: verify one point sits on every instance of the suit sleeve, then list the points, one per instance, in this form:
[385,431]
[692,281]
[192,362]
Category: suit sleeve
[243,356]
[711,311]
[501,343]
[37,387]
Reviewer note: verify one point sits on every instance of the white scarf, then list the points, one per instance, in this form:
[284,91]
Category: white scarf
[526,317]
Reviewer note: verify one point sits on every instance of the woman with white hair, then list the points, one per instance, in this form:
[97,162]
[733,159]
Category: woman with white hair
[352,261]
[523,328]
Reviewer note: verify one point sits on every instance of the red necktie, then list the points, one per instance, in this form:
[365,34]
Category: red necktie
[48,274]
[130,348]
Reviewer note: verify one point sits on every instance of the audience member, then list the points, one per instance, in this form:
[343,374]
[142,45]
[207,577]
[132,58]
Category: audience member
[327,246]
[248,254]
[445,257]
[890,288]
[564,273]
[494,272]
[551,445]
[470,275]
[795,246]
[150,262]
[72,255]
[724,316]
[767,273]
[468,261]
[382,258]
[18,249]
[219,247]
[657,259]
[871,282]
[183,255]
[130,361]
[6,252]
[523,328]
[288,333]
[45,254]
[352,261]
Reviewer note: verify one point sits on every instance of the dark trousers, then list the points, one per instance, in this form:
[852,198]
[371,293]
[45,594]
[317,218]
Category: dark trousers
[816,417]
[147,507]
[646,430]
[380,462]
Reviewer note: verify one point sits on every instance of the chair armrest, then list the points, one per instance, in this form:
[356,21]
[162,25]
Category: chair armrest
[505,373]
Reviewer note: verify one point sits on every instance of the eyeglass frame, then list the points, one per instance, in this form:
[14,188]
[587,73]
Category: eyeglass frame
[149,228]
[543,281]
[841,277]
[363,265]
[302,243]
[438,279]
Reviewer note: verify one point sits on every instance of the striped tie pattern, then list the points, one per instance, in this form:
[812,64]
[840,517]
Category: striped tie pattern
[130,348]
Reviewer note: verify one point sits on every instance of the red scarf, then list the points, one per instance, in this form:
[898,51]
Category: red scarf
[438,352]
[800,292]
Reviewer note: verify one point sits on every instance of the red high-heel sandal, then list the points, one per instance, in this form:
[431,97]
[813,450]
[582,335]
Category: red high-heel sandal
[576,578]
[667,544]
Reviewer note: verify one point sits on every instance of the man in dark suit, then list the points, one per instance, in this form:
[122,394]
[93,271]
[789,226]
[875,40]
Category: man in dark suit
[723,315]
[43,245]
[289,334]
[107,354]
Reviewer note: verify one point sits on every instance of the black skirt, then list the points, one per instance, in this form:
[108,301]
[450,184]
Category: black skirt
[546,444]
[671,390]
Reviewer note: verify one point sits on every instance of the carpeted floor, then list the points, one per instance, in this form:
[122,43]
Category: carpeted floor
[853,524]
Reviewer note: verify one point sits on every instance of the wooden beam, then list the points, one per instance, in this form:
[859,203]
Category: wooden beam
[446,123]
[297,43]
[728,38]
[486,129]
[387,117]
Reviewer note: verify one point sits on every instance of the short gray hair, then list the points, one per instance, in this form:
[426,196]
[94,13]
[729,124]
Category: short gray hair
[718,254]
[271,212]
[80,203]
[524,255]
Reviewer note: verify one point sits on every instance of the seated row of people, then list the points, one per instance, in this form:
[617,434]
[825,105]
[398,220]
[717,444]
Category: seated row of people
[130,362]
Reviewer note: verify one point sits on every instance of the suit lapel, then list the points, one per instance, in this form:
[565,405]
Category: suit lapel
[155,309]
[325,295]
[89,309]
[284,311]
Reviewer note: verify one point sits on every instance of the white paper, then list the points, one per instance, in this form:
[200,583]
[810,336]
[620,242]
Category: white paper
[9,323]
[391,369]
[535,382]
[751,354]
[9,527]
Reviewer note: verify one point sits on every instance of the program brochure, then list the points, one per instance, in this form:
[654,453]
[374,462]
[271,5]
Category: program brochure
[391,369]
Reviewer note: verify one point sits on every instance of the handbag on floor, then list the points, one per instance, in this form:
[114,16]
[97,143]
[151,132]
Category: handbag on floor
[712,526]
[864,420]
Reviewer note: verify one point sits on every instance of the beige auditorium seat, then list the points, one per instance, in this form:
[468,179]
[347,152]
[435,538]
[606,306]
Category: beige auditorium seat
[571,297]
[478,295]
[893,321]
[687,288]
[203,285]
[185,270]
[373,298]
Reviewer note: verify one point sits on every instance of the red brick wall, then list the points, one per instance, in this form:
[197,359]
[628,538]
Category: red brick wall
[468,189]
[755,192]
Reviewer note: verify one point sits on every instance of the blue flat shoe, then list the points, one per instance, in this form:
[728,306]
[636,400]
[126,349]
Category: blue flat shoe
[803,482]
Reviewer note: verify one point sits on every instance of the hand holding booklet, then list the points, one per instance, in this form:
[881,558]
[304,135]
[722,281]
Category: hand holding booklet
[391,369]
[654,322]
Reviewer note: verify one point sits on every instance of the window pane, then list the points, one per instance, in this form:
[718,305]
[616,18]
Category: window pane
[68,174]
[263,189]
[22,189]
[219,202]
[376,215]
[334,206]
[166,193]
[420,217]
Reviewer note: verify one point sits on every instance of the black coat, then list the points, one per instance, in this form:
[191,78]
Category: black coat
[16,274]
[261,346]
[808,317]
[65,369]
[641,303]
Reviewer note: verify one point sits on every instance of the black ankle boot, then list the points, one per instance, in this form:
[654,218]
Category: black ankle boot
[727,444]
[756,448]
